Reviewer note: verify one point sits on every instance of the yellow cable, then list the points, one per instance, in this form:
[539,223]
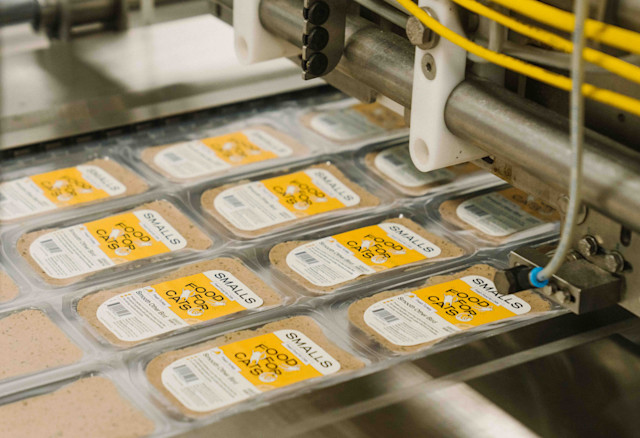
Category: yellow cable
[605,96]
[596,30]
[608,62]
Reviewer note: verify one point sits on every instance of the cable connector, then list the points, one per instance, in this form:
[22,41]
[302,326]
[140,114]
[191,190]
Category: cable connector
[517,279]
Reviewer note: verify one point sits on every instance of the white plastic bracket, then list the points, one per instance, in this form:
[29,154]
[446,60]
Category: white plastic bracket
[253,43]
[436,73]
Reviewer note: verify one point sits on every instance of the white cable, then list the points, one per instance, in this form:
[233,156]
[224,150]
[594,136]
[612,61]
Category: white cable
[577,133]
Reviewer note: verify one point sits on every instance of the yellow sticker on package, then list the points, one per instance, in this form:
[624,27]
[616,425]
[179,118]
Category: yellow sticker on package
[208,156]
[363,251]
[280,199]
[160,308]
[434,312]
[238,149]
[103,243]
[58,188]
[224,375]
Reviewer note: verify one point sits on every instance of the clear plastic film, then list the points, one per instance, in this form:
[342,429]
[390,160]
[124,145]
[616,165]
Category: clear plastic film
[140,289]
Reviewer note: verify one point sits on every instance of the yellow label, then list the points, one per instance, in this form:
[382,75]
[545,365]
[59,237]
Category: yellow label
[458,304]
[300,195]
[531,204]
[266,363]
[123,238]
[380,115]
[69,186]
[435,312]
[378,248]
[237,150]
[195,300]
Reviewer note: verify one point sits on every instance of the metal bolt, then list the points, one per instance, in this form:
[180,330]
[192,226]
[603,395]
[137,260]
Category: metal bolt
[588,246]
[419,35]
[428,66]
[613,262]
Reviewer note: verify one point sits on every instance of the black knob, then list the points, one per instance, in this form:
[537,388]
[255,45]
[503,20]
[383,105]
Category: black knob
[317,14]
[316,64]
[317,39]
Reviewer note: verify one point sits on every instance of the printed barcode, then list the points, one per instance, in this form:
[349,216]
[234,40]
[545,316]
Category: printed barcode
[329,119]
[235,202]
[173,157]
[51,246]
[396,161]
[385,315]
[306,257]
[476,210]
[119,310]
[185,373]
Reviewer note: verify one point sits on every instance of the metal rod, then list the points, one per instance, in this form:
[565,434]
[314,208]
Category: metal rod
[386,11]
[17,11]
[382,60]
[522,132]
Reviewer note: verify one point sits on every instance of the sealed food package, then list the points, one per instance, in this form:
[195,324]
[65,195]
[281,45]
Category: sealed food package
[394,165]
[67,255]
[354,123]
[498,215]
[30,342]
[326,264]
[252,209]
[408,320]
[196,159]
[216,374]
[8,288]
[90,182]
[88,407]
[196,294]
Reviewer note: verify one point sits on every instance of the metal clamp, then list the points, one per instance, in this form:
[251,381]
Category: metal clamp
[323,36]
[579,285]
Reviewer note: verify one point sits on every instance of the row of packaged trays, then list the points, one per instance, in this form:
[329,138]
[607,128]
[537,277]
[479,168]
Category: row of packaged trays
[215,371]
[163,226]
[149,260]
[73,177]
[111,305]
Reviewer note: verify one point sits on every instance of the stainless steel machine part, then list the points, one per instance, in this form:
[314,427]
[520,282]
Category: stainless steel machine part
[535,138]
[385,11]
[444,394]
[579,285]
[496,120]
[381,60]
[59,18]
[17,11]
[111,79]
